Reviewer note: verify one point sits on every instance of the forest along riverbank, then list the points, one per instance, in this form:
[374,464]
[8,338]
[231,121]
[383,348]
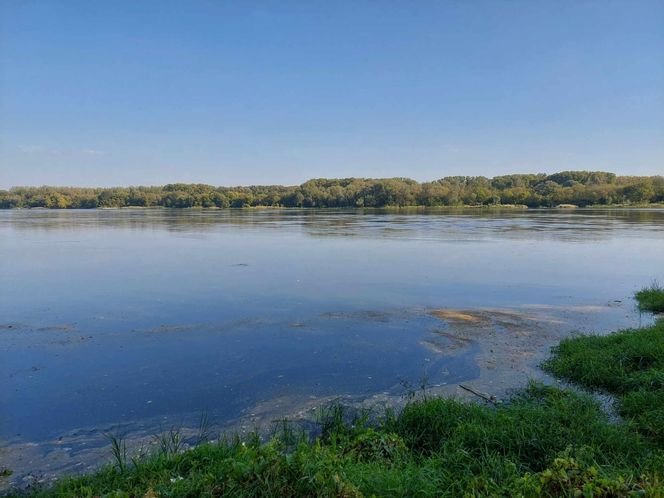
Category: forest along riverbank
[565,189]
[506,347]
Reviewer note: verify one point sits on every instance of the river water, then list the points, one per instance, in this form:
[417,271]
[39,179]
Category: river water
[148,318]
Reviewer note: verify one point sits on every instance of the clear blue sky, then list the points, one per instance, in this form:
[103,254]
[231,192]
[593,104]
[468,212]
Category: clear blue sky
[262,92]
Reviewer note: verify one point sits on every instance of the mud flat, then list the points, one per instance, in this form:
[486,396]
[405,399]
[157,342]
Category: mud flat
[512,342]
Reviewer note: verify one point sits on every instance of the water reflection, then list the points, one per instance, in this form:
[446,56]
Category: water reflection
[433,224]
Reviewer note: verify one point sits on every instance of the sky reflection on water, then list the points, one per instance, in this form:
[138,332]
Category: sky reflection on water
[110,316]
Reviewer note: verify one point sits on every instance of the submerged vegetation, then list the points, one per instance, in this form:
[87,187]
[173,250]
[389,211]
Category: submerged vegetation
[544,441]
[571,188]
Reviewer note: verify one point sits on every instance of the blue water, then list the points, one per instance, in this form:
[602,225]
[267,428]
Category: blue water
[113,316]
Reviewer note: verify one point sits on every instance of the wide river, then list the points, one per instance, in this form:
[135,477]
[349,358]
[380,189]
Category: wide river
[125,319]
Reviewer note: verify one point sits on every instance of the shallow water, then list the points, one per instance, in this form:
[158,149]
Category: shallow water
[112,317]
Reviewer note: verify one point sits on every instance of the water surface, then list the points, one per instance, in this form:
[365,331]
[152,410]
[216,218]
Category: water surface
[121,316]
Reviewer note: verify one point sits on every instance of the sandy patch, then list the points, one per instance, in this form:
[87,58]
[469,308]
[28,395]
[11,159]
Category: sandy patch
[455,315]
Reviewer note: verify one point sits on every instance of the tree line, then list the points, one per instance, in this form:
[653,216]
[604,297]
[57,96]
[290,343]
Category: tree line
[580,188]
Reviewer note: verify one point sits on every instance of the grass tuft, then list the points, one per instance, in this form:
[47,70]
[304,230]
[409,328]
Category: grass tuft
[119,451]
[651,298]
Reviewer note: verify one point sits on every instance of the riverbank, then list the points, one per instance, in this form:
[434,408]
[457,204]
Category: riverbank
[544,441]
[386,208]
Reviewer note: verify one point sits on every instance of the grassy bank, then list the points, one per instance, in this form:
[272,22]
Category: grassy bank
[628,364]
[544,442]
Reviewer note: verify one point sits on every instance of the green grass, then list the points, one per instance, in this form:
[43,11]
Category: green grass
[651,298]
[545,442]
[628,364]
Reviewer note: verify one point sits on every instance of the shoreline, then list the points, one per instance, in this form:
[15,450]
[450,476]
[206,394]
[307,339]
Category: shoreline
[515,207]
[507,360]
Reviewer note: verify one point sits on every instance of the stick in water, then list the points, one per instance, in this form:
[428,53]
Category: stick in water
[488,397]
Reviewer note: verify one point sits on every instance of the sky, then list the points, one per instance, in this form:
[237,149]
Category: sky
[99,93]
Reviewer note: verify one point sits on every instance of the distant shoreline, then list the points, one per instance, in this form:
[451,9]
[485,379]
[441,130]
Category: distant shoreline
[565,190]
[514,207]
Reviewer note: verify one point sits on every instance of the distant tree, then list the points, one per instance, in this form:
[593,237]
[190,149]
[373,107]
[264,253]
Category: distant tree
[642,191]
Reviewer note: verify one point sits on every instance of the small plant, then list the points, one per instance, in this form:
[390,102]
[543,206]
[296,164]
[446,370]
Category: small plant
[170,442]
[119,451]
[411,391]
[285,434]
[568,476]
[651,298]
[339,423]
[204,429]
[332,420]
[374,445]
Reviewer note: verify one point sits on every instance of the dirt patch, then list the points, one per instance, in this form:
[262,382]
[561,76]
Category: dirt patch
[512,342]
[491,317]
[456,316]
